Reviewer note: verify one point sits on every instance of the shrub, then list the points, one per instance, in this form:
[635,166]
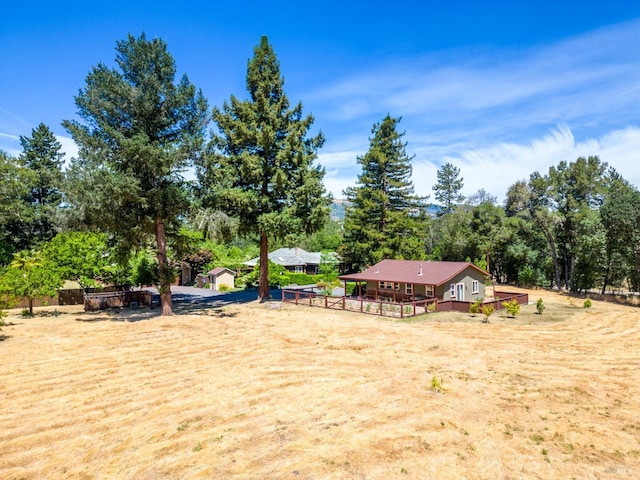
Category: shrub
[587,303]
[512,307]
[487,310]
[476,306]
[224,288]
[540,306]
[436,385]
[301,278]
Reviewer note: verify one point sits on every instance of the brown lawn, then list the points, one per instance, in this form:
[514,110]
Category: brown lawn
[257,392]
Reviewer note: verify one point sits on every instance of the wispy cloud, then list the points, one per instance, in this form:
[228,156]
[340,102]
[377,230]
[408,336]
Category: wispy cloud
[496,167]
[498,115]
[11,144]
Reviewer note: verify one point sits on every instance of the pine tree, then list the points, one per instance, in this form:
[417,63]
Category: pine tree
[260,168]
[384,218]
[42,155]
[141,131]
[448,187]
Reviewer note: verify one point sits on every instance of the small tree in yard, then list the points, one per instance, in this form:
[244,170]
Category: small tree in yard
[29,277]
[476,306]
[487,310]
[512,307]
[328,273]
[540,306]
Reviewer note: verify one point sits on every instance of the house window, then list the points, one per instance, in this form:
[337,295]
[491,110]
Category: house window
[453,290]
[396,286]
[475,287]
[429,290]
[298,269]
[408,289]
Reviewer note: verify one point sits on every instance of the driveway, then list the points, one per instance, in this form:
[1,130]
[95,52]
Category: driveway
[210,298]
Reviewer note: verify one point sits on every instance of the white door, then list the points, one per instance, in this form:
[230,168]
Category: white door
[460,292]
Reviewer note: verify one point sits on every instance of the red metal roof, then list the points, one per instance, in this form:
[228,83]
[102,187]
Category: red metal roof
[419,272]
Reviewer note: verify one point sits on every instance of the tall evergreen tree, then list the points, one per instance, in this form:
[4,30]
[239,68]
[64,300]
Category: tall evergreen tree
[448,186]
[42,154]
[260,167]
[141,132]
[384,218]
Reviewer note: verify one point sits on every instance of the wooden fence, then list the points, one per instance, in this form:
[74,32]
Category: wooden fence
[116,299]
[392,309]
[362,305]
[76,296]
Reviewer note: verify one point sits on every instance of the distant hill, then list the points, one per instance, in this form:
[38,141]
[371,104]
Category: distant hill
[339,204]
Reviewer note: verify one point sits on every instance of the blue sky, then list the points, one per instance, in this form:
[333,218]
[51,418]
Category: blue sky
[499,89]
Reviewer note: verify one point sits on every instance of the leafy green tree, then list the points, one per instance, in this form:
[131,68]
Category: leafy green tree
[576,190]
[260,168]
[42,155]
[327,239]
[383,217]
[141,132]
[530,201]
[30,276]
[145,270]
[448,186]
[15,211]
[620,217]
[84,257]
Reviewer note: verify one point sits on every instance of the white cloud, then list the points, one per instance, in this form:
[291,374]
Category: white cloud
[69,147]
[499,115]
[496,167]
[10,144]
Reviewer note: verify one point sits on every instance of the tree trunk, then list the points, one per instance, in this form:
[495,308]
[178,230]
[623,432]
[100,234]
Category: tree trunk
[263,283]
[164,269]
[554,255]
[30,307]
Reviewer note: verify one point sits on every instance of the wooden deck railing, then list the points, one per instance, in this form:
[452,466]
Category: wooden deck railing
[360,304]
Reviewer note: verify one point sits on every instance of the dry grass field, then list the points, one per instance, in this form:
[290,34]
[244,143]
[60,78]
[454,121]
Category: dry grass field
[265,392]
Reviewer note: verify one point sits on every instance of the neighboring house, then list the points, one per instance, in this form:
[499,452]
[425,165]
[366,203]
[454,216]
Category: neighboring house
[406,280]
[295,260]
[220,277]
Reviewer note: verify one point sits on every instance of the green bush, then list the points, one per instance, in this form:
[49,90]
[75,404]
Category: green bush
[540,306]
[587,303]
[224,288]
[302,278]
[512,307]
[475,307]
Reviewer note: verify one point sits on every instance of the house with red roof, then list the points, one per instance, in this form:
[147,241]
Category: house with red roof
[411,280]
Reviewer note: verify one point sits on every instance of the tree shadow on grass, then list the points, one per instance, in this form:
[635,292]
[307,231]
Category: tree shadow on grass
[183,304]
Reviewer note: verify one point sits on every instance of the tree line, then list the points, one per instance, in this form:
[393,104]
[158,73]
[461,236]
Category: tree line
[122,210]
